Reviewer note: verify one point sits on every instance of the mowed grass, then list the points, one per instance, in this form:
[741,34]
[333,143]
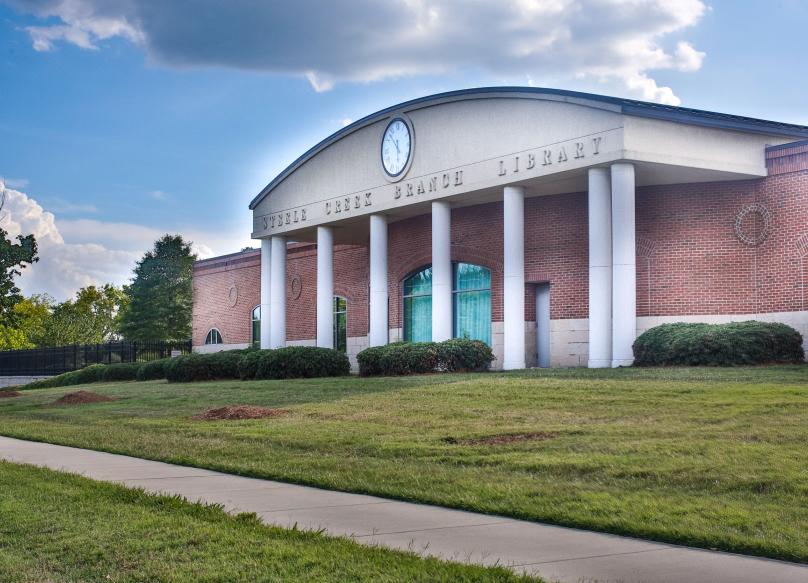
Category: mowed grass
[59,527]
[715,458]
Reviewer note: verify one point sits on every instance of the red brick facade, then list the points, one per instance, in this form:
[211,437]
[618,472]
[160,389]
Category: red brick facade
[690,259]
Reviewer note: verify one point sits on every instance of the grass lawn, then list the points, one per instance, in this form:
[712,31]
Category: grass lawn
[59,527]
[714,458]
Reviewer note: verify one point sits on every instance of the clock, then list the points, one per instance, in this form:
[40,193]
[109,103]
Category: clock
[396,147]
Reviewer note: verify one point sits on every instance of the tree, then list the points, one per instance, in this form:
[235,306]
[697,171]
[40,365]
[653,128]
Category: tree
[33,315]
[13,259]
[161,293]
[13,338]
[92,318]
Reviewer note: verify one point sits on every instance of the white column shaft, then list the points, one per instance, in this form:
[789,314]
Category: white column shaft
[277,297]
[600,268]
[441,271]
[265,292]
[624,265]
[325,287]
[379,333]
[514,277]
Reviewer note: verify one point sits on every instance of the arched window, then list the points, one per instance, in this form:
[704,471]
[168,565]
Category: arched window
[340,323]
[256,326]
[471,304]
[418,306]
[471,294]
[213,337]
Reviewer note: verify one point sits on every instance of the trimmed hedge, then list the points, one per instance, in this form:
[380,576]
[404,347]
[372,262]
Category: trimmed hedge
[119,372]
[282,363]
[88,374]
[294,362]
[248,365]
[152,370]
[736,343]
[203,367]
[403,358]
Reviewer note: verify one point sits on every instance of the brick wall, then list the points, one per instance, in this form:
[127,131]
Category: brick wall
[690,260]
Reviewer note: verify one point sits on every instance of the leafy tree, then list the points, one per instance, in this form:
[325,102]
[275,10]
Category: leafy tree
[13,259]
[161,293]
[33,315]
[13,338]
[91,318]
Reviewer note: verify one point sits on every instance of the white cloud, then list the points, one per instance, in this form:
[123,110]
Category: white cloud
[621,41]
[63,266]
[158,195]
[74,253]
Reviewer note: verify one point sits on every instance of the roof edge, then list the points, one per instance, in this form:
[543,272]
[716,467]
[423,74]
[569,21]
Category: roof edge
[625,106]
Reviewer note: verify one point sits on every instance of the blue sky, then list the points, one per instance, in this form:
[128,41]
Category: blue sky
[127,119]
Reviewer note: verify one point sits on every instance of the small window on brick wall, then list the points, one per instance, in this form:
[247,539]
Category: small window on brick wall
[340,323]
[213,337]
[256,327]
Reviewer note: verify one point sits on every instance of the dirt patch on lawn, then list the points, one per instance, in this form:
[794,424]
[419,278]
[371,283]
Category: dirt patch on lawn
[7,394]
[81,398]
[238,412]
[504,439]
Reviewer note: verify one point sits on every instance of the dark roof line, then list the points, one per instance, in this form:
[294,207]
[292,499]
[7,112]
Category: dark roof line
[227,256]
[627,106]
[787,145]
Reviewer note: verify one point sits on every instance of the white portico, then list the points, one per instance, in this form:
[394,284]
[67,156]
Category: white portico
[435,155]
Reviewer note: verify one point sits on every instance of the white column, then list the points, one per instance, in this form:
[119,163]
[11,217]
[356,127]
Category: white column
[624,268]
[265,279]
[514,280]
[600,268]
[441,271]
[325,287]
[277,294]
[379,333]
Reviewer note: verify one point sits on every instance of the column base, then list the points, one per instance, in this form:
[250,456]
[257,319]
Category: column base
[622,362]
[513,365]
[599,363]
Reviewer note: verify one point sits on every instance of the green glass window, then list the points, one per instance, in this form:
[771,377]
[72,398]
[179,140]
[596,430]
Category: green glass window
[256,327]
[213,337]
[471,302]
[340,324]
[418,306]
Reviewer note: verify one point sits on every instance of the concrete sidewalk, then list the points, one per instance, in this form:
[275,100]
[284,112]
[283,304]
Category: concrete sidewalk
[552,552]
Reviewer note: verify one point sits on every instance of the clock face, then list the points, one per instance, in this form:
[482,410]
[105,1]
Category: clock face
[396,147]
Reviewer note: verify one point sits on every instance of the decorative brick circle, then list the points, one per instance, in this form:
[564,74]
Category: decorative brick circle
[296,288]
[232,295]
[761,220]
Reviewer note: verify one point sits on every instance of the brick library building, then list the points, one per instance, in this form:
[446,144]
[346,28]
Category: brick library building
[555,226]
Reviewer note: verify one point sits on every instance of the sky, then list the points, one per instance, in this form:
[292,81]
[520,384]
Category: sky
[121,120]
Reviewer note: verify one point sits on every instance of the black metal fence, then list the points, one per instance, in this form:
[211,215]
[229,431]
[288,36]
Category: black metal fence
[58,359]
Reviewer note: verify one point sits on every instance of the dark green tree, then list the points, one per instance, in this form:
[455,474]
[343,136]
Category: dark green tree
[161,294]
[14,257]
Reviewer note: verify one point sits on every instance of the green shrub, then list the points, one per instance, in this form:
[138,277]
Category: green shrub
[88,374]
[737,343]
[248,365]
[461,355]
[152,370]
[402,358]
[119,372]
[295,362]
[203,367]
